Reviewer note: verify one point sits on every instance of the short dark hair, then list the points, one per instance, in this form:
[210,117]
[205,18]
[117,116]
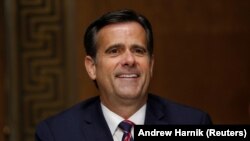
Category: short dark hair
[119,16]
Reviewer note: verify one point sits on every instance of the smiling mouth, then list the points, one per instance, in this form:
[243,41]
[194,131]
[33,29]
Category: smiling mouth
[128,76]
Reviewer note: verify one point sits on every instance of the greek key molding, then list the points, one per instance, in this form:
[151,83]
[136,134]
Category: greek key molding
[40,63]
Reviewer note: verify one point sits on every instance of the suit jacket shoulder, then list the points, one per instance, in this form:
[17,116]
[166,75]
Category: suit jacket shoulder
[81,122]
[163,111]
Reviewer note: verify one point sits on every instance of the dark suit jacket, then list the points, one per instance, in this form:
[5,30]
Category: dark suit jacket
[85,121]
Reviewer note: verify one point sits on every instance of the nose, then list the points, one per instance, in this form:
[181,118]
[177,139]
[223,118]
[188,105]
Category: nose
[128,59]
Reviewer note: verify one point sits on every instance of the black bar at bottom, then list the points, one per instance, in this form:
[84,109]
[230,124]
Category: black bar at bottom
[192,132]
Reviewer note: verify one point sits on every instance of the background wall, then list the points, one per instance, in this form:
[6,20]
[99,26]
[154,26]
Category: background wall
[201,53]
[2,72]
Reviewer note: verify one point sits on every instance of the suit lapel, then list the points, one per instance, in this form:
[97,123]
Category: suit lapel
[95,127]
[94,124]
[154,111]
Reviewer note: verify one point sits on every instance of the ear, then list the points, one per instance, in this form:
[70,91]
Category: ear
[90,67]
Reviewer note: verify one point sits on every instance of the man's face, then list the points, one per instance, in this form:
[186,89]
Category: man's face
[123,67]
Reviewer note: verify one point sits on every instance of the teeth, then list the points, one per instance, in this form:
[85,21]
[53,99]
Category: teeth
[128,75]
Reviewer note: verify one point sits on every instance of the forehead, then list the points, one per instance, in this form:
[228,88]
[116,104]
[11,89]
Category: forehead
[123,26]
[119,31]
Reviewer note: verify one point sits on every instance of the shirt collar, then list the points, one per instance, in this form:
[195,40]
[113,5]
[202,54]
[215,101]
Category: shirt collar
[113,119]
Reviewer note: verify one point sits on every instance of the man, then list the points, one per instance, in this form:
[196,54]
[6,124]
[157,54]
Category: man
[119,47]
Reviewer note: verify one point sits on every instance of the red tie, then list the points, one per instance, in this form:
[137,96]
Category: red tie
[126,126]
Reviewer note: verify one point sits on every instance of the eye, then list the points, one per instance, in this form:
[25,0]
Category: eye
[140,51]
[113,51]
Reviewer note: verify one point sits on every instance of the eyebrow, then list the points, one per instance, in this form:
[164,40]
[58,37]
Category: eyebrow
[118,45]
[138,46]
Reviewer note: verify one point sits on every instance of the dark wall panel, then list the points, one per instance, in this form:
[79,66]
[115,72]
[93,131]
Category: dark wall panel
[2,73]
[39,63]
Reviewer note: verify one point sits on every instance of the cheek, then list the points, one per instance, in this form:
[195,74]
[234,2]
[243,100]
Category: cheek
[146,66]
[104,68]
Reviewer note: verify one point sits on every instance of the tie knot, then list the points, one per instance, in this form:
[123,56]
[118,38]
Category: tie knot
[126,125]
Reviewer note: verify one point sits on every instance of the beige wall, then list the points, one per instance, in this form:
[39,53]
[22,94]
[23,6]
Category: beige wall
[201,52]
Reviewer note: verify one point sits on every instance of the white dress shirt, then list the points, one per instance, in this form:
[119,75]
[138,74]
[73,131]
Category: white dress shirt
[113,120]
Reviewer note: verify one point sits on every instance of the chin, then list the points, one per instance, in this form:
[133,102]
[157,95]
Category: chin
[130,95]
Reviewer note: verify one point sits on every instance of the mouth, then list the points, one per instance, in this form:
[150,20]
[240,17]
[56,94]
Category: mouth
[133,75]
